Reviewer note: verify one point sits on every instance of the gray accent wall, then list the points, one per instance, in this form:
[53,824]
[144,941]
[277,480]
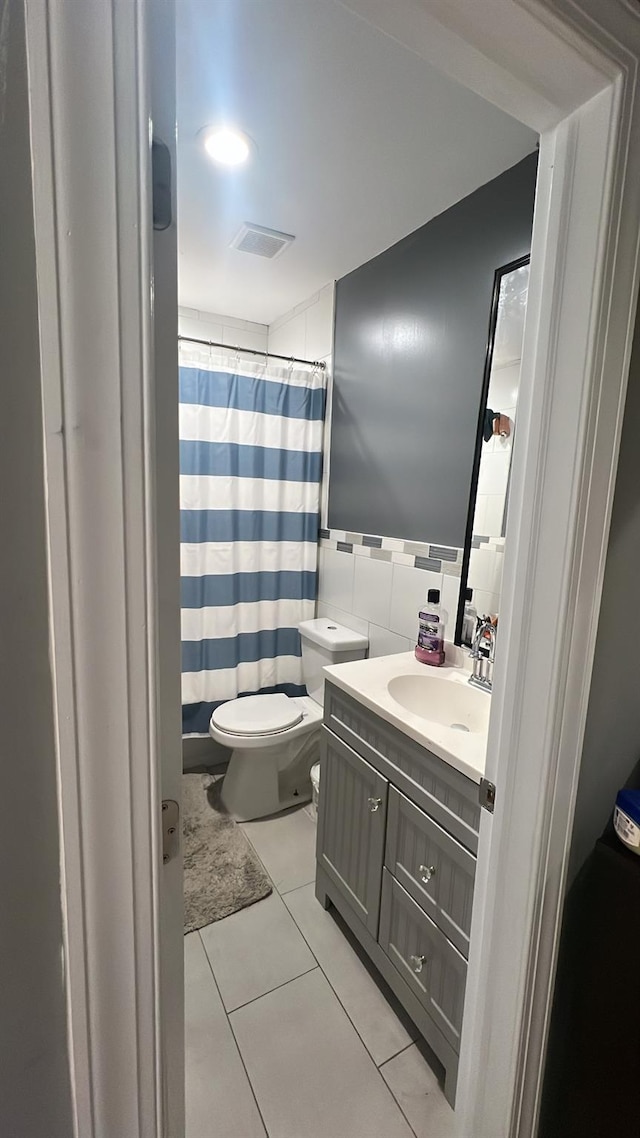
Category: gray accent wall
[35,1099]
[410,344]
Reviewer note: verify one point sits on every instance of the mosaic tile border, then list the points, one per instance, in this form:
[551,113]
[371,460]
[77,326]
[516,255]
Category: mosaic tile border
[419,555]
[496,544]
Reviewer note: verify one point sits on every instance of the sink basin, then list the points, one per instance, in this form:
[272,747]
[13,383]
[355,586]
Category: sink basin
[450,704]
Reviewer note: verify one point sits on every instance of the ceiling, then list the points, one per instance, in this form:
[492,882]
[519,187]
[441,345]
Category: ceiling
[358,142]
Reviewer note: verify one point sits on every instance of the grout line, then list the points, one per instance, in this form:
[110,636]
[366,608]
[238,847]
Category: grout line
[302,885]
[233,1035]
[376,1066]
[396,1053]
[366,1049]
[268,992]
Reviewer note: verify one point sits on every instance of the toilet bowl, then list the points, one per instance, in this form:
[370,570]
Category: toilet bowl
[274,739]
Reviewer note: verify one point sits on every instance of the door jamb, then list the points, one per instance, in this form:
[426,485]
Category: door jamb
[91,206]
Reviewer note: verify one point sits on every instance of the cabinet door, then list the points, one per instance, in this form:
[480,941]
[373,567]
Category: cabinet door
[351,827]
[432,866]
[428,962]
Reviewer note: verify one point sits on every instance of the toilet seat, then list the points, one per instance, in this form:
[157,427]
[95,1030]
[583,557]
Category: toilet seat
[257,715]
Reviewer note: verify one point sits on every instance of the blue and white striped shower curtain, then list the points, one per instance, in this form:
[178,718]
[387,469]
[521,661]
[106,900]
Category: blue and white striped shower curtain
[250,471]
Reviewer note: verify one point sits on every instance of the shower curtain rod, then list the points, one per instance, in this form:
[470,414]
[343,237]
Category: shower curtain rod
[253,352]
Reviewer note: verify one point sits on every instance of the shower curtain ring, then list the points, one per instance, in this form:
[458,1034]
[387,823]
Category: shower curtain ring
[291,364]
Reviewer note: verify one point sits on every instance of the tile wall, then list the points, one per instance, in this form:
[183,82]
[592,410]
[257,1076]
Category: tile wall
[222,329]
[485,573]
[307,330]
[376,585]
[487,552]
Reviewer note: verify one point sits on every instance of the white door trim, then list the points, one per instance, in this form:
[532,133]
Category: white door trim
[90,143]
[89,93]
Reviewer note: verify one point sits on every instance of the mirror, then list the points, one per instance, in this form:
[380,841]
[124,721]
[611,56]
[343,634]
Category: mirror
[489,504]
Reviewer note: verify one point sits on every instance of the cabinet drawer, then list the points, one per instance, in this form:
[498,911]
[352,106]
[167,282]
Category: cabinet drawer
[433,867]
[352,814]
[448,796]
[427,961]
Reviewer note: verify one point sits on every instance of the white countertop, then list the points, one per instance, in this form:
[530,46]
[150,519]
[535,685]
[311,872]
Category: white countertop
[367,682]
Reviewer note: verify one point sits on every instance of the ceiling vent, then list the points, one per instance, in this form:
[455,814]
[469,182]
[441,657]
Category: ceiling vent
[260,241]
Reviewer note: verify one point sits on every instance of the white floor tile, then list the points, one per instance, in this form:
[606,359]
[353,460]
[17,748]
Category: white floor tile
[286,845]
[373,1018]
[418,1092]
[219,1099]
[255,950]
[310,1072]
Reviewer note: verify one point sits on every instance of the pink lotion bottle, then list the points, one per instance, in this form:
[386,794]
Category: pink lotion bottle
[432,620]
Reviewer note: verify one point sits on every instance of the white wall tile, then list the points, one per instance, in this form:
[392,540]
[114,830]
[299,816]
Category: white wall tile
[246,325]
[320,325]
[382,642]
[496,583]
[243,338]
[494,471]
[355,623]
[335,579]
[291,338]
[480,515]
[408,593]
[225,329]
[450,594]
[481,569]
[493,514]
[187,326]
[503,387]
[372,589]
[487,603]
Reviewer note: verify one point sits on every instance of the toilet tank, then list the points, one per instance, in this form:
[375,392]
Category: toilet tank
[325,642]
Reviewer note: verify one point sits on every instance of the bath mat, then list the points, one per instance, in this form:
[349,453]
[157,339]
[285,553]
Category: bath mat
[221,871]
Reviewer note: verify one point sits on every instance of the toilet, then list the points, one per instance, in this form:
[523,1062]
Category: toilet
[274,739]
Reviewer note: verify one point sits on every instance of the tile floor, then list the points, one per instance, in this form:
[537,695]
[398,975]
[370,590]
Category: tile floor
[287,1033]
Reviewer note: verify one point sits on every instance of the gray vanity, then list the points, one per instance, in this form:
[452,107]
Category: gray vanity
[396,855]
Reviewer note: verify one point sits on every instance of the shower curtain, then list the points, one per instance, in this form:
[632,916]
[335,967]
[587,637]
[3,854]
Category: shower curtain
[250,470]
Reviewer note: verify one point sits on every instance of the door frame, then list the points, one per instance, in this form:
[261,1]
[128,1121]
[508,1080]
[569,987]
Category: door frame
[569,69]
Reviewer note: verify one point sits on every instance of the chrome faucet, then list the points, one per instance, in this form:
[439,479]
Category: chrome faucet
[483,650]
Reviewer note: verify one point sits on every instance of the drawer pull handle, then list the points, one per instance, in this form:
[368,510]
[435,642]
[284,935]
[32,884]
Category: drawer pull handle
[417,962]
[426,873]
[374,804]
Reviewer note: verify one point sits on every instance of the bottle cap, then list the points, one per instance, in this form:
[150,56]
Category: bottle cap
[468,594]
[433,596]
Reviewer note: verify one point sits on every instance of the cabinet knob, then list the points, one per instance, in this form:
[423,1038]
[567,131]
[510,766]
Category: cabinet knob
[374,804]
[426,873]
[417,962]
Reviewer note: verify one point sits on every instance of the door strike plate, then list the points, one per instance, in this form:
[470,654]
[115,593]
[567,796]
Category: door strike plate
[487,795]
[170,833]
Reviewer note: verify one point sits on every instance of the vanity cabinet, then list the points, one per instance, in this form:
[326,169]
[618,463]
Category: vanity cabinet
[396,855]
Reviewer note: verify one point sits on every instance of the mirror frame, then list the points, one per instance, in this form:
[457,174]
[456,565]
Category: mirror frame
[475,473]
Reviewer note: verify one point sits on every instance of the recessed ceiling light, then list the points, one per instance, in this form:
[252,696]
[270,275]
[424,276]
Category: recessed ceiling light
[227,146]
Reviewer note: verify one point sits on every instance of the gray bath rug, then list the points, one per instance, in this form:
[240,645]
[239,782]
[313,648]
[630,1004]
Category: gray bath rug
[221,871]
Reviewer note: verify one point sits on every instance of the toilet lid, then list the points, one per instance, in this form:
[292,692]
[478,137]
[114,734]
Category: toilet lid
[257,715]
